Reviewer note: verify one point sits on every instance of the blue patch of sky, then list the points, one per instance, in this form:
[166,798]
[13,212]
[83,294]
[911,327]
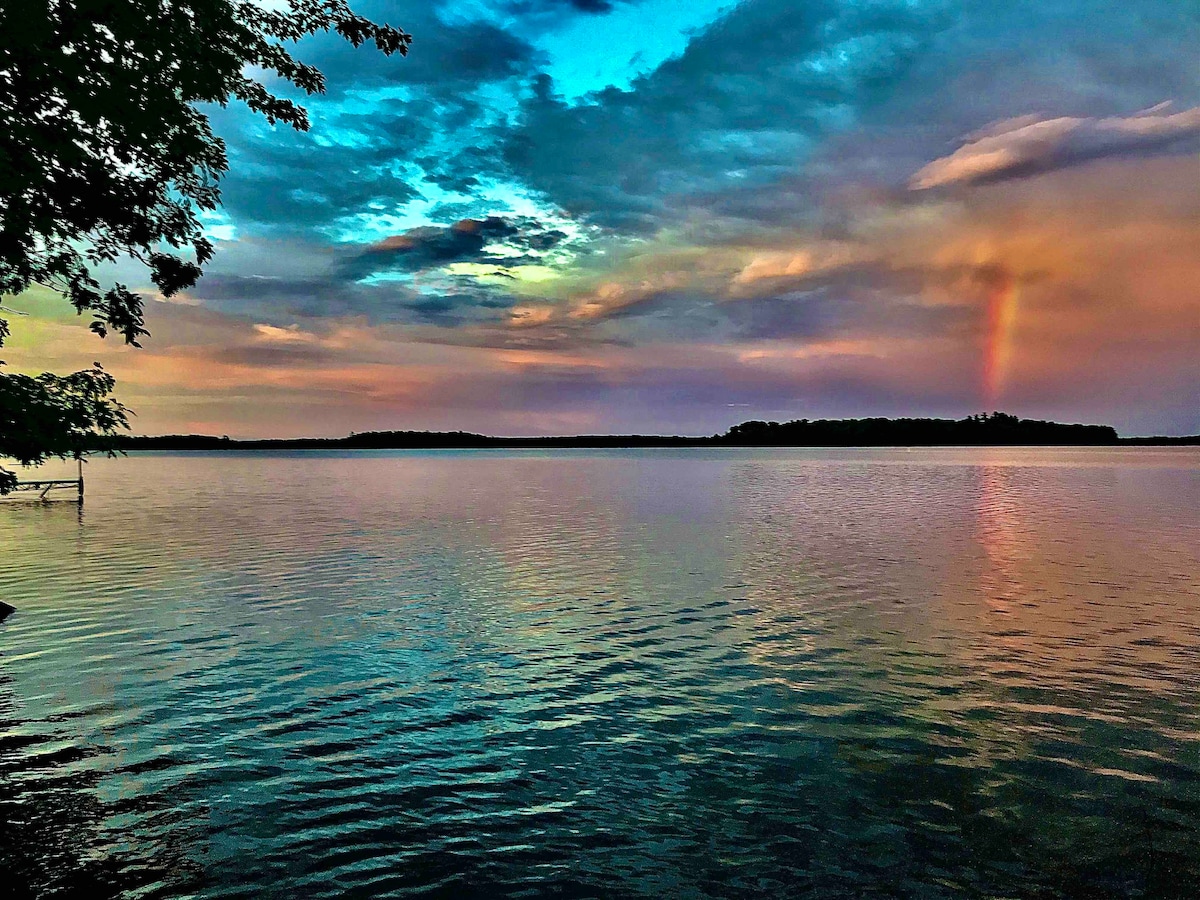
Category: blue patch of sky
[591,53]
[583,53]
[218,225]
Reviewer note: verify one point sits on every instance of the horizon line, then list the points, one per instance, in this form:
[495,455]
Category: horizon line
[754,431]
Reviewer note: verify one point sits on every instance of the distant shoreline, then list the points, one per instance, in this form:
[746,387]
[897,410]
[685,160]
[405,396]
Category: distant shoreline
[995,430]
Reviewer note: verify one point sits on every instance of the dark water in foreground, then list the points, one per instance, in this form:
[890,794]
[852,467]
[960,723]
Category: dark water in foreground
[924,674]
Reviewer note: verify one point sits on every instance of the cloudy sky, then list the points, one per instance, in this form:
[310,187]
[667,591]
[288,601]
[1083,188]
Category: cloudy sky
[564,216]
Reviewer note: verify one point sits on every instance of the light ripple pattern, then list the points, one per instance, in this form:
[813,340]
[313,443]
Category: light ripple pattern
[791,673]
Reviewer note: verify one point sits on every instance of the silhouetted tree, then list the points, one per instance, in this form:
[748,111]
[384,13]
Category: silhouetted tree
[48,416]
[104,154]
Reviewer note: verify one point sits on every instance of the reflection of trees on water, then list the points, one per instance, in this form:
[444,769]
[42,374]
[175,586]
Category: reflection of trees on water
[57,837]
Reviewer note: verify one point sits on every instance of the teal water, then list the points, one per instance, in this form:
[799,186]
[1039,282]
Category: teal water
[928,674]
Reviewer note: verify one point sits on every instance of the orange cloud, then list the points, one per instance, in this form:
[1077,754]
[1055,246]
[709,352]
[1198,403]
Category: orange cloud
[814,350]
[524,359]
[815,259]
[530,316]
[273,334]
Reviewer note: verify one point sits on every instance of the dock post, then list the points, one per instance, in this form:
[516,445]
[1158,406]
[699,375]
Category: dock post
[79,459]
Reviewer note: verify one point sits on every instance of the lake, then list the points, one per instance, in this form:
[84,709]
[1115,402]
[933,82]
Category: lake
[920,673]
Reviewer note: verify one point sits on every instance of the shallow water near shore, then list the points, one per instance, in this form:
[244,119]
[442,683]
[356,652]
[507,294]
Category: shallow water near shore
[688,673]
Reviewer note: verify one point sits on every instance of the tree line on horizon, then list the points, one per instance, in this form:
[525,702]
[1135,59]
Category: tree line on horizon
[985,429]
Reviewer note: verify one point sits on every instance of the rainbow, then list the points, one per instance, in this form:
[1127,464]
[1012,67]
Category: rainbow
[1002,300]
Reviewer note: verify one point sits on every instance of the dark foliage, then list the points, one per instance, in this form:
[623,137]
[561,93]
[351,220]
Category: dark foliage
[103,153]
[997,428]
[60,416]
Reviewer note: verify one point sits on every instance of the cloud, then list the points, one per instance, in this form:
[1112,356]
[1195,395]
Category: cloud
[531,316]
[983,64]
[1029,145]
[614,298]
[291,334]
[806,262]
[431,245]
[449,52]
[450,301]
[748,100]
[541,7]
[499,243]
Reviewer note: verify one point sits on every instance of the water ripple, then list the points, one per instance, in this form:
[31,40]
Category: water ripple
[697,674]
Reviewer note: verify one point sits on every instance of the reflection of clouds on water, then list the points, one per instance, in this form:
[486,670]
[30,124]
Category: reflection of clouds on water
[835,667]
[62,831]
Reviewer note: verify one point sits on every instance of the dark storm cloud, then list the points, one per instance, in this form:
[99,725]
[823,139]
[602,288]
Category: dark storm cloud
[278,298]
[468,240]
[273,298]
[462,169]
[286,182]
[448,213]
[341,285]
[540,15]
[461,304]
[779,103]
[766,110]
[850,306]
[367,144]
[547,239]
[431,245]
[743,106]
[457,301]
[536,7]
[272,202]
[444,57]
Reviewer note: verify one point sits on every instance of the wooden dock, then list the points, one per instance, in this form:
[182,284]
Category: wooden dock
[48,489]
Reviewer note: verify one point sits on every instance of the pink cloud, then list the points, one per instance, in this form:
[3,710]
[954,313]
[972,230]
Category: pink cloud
[1028,145]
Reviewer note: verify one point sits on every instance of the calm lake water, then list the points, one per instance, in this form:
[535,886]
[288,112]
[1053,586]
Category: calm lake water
[928,673]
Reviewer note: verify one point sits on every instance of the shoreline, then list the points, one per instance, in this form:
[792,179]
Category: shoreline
[156,445]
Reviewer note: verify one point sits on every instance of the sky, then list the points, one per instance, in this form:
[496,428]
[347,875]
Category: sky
[612,216]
